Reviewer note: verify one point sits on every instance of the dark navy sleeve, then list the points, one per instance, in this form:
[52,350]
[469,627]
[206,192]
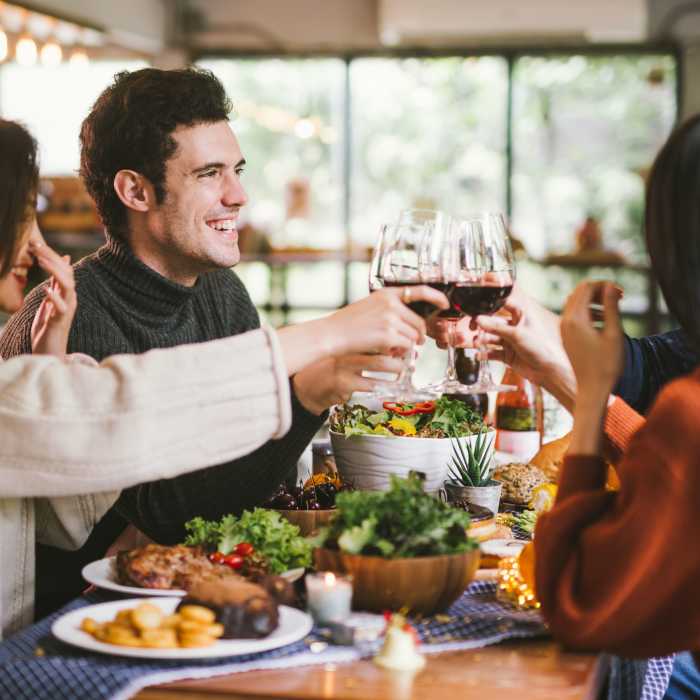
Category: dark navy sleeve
[651,362]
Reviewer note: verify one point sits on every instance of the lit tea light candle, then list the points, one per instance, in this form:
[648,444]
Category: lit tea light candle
[328,596]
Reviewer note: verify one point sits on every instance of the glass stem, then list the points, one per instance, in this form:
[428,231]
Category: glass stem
[485,378]
[451,372]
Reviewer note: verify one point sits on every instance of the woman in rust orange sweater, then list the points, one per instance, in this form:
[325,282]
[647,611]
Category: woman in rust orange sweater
[620,571]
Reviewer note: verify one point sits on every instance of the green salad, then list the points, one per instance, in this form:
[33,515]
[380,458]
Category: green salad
[443,418]
[402,522]
[271,535]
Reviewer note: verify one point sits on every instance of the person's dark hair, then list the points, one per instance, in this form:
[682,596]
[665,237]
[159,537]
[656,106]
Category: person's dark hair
[673,224]
[130,127]
[19,177]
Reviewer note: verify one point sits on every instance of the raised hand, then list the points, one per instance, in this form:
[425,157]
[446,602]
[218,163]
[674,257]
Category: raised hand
[596,354]
[335,379]
[52,323]
[382,322]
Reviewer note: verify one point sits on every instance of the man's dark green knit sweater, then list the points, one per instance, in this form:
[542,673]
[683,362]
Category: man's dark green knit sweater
[126,307]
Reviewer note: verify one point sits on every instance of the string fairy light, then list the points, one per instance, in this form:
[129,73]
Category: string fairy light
[26,51]
[51,54]
[512,587]
[25,30]
[78,58]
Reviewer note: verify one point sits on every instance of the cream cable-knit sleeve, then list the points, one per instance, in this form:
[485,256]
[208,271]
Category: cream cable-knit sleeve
[71,427]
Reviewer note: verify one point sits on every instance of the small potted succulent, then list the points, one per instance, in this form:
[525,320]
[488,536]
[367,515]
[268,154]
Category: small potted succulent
[470,474]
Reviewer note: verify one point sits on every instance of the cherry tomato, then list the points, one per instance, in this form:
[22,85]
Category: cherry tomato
[217,557]
[245,549]
[233,561]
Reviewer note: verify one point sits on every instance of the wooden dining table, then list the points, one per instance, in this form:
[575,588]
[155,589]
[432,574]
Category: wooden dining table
[514,670]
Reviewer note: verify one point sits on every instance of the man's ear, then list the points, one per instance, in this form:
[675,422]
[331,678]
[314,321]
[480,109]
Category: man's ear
[134,190]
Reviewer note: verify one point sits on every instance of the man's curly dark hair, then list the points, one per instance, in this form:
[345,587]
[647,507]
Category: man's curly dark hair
[130,127]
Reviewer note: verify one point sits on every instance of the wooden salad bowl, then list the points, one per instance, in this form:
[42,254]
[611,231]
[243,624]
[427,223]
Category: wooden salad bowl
[424,585]
[308,521]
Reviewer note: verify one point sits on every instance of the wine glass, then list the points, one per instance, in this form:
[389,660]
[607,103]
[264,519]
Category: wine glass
[383,387]
[460,257]
[401,262]
[492,290]
[377,260]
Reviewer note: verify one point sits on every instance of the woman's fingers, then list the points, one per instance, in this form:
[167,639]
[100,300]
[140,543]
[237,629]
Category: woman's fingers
[611,313]
[512,311]
[577,306]
[497,354]
[57,266]
[58,303]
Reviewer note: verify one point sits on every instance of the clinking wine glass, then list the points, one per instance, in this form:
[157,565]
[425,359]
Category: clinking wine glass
[491,292]
[460,255]
[400,263]
[383,388]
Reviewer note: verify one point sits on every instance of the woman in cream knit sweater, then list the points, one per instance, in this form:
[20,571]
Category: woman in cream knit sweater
[69,426]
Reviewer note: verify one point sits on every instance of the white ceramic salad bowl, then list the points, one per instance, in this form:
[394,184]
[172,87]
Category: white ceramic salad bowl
[367,461]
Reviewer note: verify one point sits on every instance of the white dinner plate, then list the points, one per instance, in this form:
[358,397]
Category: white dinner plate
[293,626]
[502,548]
[103,574]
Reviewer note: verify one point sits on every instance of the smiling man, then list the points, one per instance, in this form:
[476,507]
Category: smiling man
[160,160]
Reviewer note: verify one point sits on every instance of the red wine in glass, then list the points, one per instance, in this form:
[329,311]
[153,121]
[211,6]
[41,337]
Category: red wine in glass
[422,308]
[468,299]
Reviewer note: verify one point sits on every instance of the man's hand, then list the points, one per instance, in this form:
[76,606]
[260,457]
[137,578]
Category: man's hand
[334,379]
[382,322]
[53,320]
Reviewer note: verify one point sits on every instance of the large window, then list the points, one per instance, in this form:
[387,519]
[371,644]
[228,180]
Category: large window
[550,139]
[426,133]
[585,131]
[337,146]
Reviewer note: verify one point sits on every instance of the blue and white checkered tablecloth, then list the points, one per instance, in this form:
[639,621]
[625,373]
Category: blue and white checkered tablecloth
[477,619]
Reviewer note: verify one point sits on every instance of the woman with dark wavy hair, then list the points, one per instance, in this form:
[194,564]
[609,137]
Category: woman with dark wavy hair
[619,571]
[69,426]
[19,174]
[21,243]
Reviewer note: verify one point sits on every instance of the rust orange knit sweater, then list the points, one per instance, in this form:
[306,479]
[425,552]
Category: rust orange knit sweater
[621,571]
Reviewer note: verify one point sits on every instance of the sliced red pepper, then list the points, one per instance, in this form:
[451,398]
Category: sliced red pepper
[409,409]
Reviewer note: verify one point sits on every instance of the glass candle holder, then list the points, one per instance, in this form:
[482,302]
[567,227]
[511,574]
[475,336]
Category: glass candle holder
[329,596]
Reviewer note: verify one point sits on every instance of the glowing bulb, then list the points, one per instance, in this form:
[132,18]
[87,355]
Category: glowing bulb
[51,54]
[26,51]
[78,59]
[304,128]
[3,45]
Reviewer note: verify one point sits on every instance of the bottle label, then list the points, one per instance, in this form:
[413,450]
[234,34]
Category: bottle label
[516,417]
[522,444]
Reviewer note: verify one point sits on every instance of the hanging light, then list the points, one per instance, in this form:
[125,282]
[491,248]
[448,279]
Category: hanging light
[51,54]
[3,45]
[79,58]
[26,51]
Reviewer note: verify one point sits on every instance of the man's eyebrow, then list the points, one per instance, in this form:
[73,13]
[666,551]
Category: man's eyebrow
[216,166]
